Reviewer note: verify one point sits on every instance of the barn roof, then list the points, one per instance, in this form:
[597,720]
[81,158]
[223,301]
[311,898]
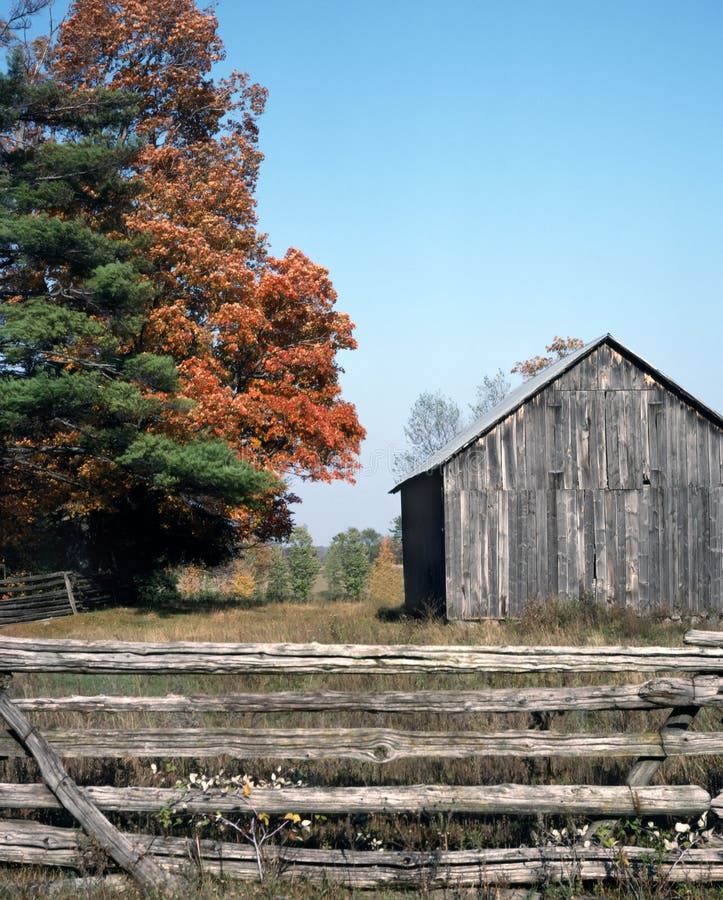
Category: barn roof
[528,389]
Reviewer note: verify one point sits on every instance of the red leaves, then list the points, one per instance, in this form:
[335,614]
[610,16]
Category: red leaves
[255,338]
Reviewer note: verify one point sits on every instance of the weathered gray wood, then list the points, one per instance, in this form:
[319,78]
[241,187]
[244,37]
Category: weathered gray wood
[702,638]
[71,595]
[645,768]
[704,690]
[38,598]
[510,799]
[14,581]
[606,424]
[45,845]
[372,744]
[51,655]
[149,875]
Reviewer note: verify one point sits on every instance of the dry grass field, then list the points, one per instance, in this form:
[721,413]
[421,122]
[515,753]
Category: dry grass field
[579,623]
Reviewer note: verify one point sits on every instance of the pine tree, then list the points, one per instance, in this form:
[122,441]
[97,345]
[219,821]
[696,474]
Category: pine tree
[92,449]
[162,372]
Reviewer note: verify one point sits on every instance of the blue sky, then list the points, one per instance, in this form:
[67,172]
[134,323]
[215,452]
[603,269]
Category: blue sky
[481,176]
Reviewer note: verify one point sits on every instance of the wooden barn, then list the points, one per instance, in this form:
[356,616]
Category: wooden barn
[598,477]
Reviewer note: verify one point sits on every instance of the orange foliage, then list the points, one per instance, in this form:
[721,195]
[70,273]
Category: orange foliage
[386,582]
[560,347]
[255,338]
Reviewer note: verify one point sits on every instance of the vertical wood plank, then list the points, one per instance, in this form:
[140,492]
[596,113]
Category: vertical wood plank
[615,369]
[521,451]
[603,358]
[503,554]
[494,458]
[716,544]
[464,546]
[683,547]
[676,471]
[656,438]
[553,441]
[484,527]
[690,436]
[611,547]
[625,434]
[598,458]
[656,590]
[632,549]
[582,439]
[531,544]
[675,546]
[552,538]
[453,607]
[508,445]
[644,547]
[620,548]
[474,555]
[578,505]
[645,436]
[541,452]
[715,441]
[612,425]
[701,440]
[509,499]
[524,521]
[566,432]
[601,580]
[493,558]
[588,523]
[563,544]
[542,588]
[705,550]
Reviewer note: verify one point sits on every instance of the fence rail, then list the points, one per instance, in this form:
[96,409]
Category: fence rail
[27,598]
[694,680]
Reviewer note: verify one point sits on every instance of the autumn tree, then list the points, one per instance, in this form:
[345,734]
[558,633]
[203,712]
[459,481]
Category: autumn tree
[215,363]
[255,337]
[88,415]
[386,582]
[559,348]
[304,563]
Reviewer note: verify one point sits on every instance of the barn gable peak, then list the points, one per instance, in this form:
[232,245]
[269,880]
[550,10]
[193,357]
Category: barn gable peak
[530,388]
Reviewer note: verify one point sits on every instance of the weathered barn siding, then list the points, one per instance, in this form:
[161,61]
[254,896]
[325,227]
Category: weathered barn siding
[604,483]
[423,530]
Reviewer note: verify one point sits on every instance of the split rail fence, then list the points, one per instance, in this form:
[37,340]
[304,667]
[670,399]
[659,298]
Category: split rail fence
[27,598]
[681,681]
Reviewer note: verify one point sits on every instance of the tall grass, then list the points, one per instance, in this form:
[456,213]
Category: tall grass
[364,622]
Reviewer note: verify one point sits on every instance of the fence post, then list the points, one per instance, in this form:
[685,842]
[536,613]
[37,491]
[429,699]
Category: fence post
[644,768]
[71,596]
